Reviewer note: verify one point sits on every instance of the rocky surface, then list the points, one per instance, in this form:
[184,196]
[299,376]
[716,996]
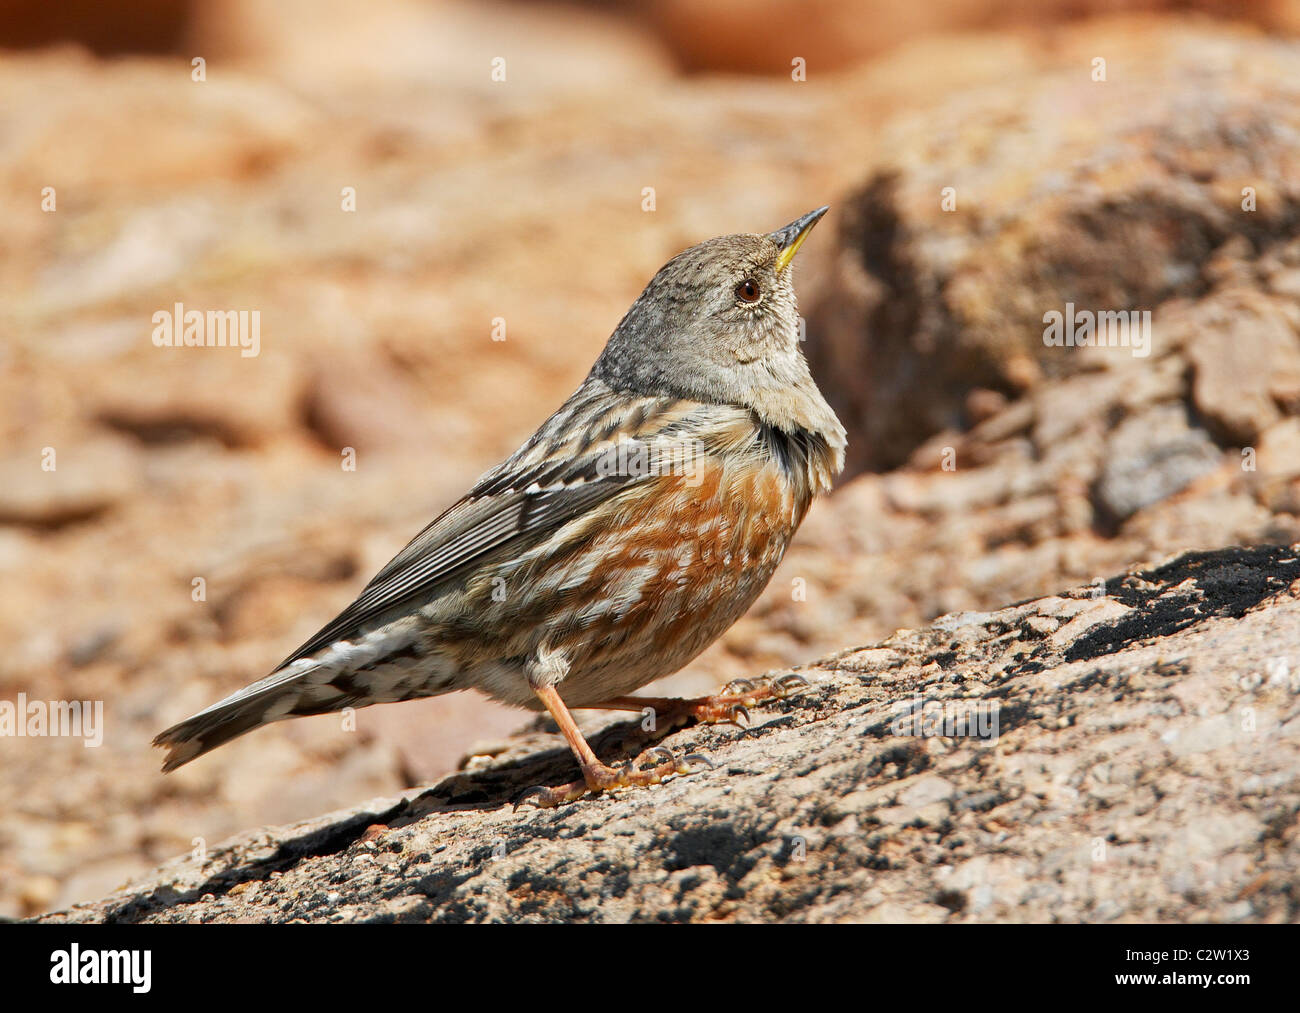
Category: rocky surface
[763,36]
[1168,188]
[1131,753]
[990,468]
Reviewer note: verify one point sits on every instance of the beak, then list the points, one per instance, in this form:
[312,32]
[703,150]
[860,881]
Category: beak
[789,239]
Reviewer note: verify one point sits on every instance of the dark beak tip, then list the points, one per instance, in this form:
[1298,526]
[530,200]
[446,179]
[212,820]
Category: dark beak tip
[787,235]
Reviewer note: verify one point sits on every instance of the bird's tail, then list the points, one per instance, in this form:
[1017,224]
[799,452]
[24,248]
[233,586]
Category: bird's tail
[288,693]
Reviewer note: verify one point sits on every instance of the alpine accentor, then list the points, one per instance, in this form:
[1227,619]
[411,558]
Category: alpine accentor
[629,532]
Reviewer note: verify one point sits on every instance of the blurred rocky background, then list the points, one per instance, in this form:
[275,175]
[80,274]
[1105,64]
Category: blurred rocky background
[983,167]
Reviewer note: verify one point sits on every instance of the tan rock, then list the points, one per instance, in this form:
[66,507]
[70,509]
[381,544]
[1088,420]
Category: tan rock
[1246,358]
[1108,798]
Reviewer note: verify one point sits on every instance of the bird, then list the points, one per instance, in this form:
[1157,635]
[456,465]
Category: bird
[632,529]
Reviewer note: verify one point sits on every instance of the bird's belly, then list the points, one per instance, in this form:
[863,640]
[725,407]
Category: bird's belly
[672,571]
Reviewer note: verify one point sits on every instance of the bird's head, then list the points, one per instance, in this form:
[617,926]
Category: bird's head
[719,323]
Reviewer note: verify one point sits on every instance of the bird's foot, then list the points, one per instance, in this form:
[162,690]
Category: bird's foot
[731,706]
[663,714]
[598,777]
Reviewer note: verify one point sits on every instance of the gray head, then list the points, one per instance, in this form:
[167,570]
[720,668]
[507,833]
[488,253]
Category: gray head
[719,323]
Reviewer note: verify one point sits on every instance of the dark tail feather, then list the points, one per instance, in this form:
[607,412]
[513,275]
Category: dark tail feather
[195,736]
[274,698]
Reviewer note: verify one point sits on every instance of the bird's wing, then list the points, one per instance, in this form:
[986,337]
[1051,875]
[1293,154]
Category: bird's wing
[561,473]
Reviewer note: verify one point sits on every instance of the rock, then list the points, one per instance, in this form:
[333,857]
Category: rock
[1149,457]
[761,36]
[1103,610]
[135,26]
[1246,358]
[73,480]
[1278,464]
[1119,777]
[952,254]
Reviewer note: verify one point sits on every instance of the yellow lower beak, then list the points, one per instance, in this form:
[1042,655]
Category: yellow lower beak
[790,238]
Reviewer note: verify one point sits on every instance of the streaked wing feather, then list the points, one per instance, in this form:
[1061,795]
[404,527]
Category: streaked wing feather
[552,479]
[461,536]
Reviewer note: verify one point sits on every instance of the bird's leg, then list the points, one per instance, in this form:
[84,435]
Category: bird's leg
[731,705]
[597,776]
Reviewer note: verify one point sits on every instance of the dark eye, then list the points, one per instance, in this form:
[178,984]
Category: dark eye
[747,290]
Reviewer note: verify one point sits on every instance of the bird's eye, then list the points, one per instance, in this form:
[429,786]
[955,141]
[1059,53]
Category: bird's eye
[747,291]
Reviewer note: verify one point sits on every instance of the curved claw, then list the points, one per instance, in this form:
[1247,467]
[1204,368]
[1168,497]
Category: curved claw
[741,685]
[684,764]
[528,796]
[787,684]
[663,751]
[739,716]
